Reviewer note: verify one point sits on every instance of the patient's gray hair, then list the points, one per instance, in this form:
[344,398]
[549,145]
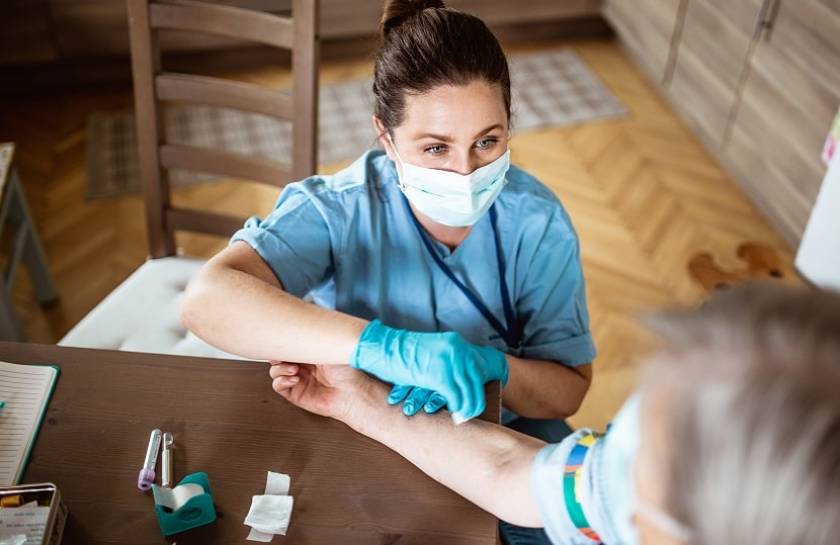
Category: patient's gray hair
[753,380]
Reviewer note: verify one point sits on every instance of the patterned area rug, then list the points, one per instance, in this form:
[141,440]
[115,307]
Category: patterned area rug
[552,88]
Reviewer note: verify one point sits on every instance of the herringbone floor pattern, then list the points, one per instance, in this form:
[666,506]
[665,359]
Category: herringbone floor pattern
[642,192]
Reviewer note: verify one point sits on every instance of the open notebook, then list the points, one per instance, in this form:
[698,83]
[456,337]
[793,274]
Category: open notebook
[25,390]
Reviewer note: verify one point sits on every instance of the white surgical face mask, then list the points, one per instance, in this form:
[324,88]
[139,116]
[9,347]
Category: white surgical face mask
[620,452]
[449,198]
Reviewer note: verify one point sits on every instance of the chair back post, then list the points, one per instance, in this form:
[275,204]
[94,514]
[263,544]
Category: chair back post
[145,65]
[305,61]
[297,33]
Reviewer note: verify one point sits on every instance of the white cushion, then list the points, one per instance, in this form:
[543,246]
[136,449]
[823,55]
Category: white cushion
[143,314]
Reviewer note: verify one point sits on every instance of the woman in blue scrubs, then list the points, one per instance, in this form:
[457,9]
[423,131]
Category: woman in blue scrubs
[435,265]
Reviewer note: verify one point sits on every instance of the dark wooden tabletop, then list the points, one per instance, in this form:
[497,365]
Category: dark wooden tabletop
[228,422]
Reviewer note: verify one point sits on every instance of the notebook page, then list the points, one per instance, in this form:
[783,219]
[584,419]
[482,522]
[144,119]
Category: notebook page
[26,390]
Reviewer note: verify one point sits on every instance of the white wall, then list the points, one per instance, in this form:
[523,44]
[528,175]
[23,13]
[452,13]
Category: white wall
[818,258]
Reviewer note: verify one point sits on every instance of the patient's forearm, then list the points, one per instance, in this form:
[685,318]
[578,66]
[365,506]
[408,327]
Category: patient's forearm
[486,463]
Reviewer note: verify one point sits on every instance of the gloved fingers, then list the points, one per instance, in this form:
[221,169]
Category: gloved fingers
[398,393]
[435,403]
[469,381]
[459,377]
[416,400]
[451,391]
[472,409]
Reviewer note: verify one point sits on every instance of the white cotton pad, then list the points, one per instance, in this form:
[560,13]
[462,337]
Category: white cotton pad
[270,514]
[459,418]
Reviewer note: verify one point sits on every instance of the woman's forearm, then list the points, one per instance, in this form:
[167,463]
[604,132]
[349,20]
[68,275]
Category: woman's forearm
[487,464]
[545,389]
[248,314]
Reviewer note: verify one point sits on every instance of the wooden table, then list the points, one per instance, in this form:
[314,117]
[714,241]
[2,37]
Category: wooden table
[228,422]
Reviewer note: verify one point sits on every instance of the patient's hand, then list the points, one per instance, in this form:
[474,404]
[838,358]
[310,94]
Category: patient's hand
[327,390]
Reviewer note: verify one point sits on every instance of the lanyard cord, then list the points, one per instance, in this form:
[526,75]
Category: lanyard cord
[507,333]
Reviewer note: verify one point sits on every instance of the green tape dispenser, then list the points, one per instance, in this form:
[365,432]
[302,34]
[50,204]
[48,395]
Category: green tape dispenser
[186,506]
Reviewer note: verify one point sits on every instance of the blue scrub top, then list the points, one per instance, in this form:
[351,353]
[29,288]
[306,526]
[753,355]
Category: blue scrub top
[347,241]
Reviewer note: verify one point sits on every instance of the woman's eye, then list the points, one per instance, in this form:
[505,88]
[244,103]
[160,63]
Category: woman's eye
[435,150]
[486,143]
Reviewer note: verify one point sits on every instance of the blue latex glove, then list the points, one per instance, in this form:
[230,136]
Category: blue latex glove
[443,362]
[416,399]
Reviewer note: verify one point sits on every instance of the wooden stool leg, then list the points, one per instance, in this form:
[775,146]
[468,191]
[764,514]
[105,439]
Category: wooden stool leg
[33,253]
[10,329]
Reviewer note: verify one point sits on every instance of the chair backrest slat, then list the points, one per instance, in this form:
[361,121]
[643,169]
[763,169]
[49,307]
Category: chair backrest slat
[152,87]
[225,163]
[226,21]
[224,93]
[201,221]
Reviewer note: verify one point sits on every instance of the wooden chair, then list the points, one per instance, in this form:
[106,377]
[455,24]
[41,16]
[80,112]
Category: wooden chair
[25,248]
[142,314]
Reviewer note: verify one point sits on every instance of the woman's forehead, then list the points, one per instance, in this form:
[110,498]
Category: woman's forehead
[458,112]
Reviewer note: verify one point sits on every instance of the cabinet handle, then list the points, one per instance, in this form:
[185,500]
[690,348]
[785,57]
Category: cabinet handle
[759,19]
[764,19]
[772,12]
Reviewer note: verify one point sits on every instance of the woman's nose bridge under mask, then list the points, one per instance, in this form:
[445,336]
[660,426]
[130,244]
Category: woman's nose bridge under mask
[450,198]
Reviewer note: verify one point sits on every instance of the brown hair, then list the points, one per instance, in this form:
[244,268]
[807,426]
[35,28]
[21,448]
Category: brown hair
[424,44]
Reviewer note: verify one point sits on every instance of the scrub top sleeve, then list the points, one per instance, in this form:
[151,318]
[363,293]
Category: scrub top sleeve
[547,488]
[553,300]
[294,240]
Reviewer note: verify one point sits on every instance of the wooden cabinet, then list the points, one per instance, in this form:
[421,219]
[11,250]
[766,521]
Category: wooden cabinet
[647,28]
[25,32]
[86,29]
[758,81]
[787,103]
[709,63]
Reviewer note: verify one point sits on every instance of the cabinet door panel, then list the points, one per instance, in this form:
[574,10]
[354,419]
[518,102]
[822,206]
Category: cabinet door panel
[500,12]
[700,97]
[807,32]
[721,42]
[99,28]
[646,28]
[780,134]
[710,60]
[787,104]
[781,200]
[25,32]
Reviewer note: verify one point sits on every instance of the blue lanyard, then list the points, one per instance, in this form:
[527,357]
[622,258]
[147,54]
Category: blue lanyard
[510,334]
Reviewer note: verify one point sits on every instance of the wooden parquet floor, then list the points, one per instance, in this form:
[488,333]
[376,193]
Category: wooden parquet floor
[642,192]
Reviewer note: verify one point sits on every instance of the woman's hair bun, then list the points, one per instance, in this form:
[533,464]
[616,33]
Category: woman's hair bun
[396,12]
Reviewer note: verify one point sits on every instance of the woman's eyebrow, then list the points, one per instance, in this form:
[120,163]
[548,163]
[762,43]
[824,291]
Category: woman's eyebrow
[488,129]
[447,138]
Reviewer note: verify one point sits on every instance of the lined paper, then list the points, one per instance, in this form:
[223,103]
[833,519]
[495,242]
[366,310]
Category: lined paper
[26,390]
